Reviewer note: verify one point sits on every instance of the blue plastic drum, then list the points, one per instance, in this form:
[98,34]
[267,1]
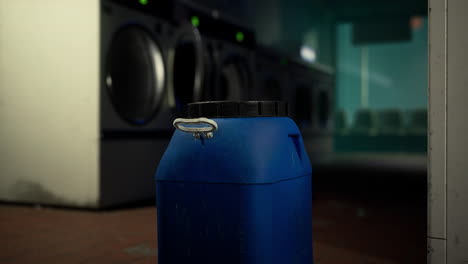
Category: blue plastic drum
[234,186]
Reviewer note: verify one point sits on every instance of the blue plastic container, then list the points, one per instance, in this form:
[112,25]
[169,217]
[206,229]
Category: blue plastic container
[243,196]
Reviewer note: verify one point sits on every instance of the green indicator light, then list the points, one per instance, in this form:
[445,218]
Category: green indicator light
[195,21]
[283,61]
[143,2]
[239,36]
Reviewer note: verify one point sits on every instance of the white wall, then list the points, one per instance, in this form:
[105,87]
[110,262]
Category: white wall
[49,101]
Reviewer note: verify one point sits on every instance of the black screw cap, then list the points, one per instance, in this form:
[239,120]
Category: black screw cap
[226,109]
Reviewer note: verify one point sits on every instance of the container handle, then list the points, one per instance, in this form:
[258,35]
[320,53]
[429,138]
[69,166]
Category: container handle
[197,126]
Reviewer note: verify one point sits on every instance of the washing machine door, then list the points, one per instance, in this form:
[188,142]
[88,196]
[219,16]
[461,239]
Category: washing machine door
[271,89]
[234,78]
[135,74]
[188,67]
[323,109]
[304,105]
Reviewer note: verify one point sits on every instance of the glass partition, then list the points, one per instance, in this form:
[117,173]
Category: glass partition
[381,91]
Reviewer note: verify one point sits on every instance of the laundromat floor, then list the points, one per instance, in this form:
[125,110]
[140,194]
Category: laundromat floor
[345,230]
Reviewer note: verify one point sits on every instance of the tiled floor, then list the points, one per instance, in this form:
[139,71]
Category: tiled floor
[347,228]
[44,235]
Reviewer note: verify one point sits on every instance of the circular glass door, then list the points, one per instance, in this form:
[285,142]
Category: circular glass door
[323,109]
[271,90]
[188,67]
[234,79]
[135,74]
[304,106]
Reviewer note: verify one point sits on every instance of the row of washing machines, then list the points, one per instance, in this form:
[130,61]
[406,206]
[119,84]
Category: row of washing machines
[157,56]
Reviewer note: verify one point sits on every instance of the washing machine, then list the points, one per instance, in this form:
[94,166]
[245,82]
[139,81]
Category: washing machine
[137,106]
[271,71]
[135,43]
[221,57]
[311,88]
